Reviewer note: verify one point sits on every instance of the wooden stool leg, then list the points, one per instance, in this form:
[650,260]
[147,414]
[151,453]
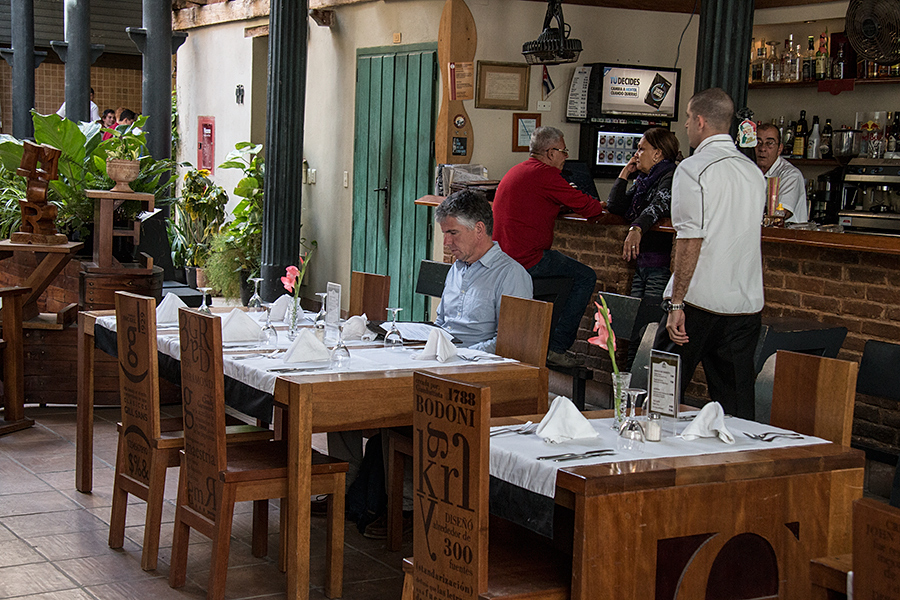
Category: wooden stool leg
[395,496]
[181,536]
[221,543]
[260,536]
[152,524]
[119,501]
[334,550]
[282,536]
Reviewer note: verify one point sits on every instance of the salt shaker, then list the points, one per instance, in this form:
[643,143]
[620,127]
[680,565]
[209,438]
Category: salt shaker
[652,429]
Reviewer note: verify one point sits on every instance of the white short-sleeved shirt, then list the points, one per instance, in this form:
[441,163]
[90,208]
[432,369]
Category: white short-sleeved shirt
[718,194]
[791,189]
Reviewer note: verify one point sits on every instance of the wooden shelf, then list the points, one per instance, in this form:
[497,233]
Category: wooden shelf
[813,162]
[833,86]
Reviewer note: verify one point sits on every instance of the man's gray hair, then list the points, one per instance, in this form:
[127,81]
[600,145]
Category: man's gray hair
[468,207]
[544,138]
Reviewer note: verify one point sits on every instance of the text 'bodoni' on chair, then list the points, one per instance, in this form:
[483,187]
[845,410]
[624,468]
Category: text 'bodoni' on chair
[148,444]
[213,477]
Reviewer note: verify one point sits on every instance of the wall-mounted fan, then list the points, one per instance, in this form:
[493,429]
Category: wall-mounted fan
[873,28]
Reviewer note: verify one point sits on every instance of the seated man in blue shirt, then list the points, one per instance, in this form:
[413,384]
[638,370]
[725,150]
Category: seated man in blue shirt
[481,275]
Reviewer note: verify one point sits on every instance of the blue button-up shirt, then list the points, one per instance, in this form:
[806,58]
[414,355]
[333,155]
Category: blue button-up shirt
[470,303]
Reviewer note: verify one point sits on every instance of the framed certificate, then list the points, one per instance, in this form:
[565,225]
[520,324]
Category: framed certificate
[502,85]
[665,383]
[524,125]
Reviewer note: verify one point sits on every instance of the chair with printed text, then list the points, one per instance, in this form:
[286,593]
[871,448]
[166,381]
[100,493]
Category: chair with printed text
[12,346]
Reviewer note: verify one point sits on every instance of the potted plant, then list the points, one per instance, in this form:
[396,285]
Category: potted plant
[199,215]
[123,154]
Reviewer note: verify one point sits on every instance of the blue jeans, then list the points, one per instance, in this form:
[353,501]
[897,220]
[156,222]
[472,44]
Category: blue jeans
[556,264]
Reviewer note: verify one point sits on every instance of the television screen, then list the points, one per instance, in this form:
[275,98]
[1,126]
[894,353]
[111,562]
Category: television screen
[628,90]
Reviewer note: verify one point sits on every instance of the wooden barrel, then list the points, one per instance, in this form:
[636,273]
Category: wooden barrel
[97,291]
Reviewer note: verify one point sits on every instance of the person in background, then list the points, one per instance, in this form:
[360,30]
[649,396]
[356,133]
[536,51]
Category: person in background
[95,110]
[108,121]
[126,117]
[643,205]
[528,200]
[792,187]
[716,291]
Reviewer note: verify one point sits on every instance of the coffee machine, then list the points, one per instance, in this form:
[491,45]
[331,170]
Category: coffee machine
[871,197]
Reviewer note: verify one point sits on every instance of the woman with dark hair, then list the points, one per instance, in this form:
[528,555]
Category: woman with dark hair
[643,205]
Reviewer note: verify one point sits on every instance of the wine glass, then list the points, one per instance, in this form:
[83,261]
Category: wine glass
[631,428]
[255,304]
[393,340]
[268,336]
[319,323]
[340,356]
[204,308]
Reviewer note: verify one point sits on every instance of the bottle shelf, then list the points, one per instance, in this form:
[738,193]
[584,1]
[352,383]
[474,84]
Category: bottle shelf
[833,86]
[812,162]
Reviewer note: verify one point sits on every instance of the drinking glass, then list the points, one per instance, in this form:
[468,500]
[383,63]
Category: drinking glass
[621,382]
[340,356]
[268,336]
[319,323]
[204,308]
[631,428]
[255,304]
[393,340]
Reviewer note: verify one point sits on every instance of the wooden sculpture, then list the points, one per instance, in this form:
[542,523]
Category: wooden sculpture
[39,167]
[454,138]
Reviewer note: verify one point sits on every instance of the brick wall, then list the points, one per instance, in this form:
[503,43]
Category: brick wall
[856,290]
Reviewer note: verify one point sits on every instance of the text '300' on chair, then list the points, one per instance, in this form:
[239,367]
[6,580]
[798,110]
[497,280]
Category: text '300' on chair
[148,444]
[214,476]
[523,333]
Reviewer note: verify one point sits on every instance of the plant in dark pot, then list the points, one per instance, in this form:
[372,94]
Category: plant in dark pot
[199,215]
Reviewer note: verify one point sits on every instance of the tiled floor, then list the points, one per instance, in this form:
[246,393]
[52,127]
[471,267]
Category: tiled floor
[53,539]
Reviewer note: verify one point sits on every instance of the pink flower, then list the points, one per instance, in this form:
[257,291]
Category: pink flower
[603,327]
[290,278]
[288,283]
[293,271]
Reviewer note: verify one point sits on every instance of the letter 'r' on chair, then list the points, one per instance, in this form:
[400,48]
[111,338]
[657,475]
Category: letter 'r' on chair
[211,481]
[370,294]
[814,395]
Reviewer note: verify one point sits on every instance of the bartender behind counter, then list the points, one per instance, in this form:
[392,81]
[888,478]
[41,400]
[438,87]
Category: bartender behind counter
[792,189]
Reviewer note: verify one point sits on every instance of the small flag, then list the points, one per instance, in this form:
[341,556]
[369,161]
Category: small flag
[548,86]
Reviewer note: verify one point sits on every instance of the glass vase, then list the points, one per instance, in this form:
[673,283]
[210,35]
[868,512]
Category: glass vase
[621,382]
[294,317]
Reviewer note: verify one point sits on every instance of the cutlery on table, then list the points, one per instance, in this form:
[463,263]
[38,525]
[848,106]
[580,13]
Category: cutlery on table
[297,369]
[577,455]
[771,436]
[480,358]
[524,429]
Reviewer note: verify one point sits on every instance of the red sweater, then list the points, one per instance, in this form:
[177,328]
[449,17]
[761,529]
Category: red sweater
[526,205]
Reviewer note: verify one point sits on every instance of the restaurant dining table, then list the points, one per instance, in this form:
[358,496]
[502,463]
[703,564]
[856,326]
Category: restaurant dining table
[321,401]
[688,519]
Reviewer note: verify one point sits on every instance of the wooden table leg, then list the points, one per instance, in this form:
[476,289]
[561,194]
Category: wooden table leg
[299,428]
[14,418]
[84,430]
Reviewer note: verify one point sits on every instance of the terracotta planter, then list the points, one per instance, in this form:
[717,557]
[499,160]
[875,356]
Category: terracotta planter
[123,172]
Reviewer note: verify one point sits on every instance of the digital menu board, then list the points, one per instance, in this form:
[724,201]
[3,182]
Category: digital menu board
[638,91]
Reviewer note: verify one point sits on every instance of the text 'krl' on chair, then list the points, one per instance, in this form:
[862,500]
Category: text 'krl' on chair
[12,346]
[523,332]
[459,554]
[214,476]
[148,444]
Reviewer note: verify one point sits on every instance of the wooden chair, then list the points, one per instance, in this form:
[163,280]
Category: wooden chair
[12,345]
[431,279]
[514,563]
[814,395]
[523,332]
[370,294]
[213,477]
[148,444]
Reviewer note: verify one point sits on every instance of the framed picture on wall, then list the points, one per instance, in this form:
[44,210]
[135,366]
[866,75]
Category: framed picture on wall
[502,85]
[524,125]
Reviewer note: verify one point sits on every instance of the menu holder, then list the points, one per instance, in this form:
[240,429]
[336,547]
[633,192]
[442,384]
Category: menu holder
[333,304]
[665,383]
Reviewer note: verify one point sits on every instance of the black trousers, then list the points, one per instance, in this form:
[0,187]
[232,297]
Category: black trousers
[726,345]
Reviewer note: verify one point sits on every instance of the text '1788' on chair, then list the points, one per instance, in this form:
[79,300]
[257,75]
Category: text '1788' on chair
[213,477]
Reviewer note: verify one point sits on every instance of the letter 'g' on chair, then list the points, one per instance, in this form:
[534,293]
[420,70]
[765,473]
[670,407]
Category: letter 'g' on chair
[214,477]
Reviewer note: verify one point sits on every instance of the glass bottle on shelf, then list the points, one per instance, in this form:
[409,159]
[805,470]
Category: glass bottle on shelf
[822,65]
[814,139]
[893,140]
[788,139]
[825,143]
[756,67]
[772,67]
[895,70]
[792,70]
[809,60]
[800,133]
[839,68]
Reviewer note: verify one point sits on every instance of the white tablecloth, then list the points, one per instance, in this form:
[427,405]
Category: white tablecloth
[514,457]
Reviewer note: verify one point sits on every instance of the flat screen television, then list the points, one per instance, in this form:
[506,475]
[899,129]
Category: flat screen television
[631,91]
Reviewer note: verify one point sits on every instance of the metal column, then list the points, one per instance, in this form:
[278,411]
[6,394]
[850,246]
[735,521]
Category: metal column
[78,60]
[284,141]
[723,47]
[23,60]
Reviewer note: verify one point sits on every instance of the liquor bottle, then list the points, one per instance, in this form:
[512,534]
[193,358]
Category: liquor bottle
[793,64]
[772,67]
[809,60]
[782,132]
[787,59]
[825,143]
[839,68]
[800,133]
[893,140]
[822,58]
[814,139]
[756,67]
[788,139]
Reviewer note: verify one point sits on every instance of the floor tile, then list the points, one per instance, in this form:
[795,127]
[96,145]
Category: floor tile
[157,589]
[16,552]
[34,503]
[73,594]
[71,521]
[15,479]
[79,544]
[32,579]
[110,567]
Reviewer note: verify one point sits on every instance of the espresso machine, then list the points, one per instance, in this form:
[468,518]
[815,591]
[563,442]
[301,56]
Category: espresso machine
[870,196]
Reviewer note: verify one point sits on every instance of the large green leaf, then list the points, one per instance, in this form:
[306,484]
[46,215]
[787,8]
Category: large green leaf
[64,135]
[10,153]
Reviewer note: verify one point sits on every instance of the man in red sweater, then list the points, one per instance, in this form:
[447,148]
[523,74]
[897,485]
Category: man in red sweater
[526,205]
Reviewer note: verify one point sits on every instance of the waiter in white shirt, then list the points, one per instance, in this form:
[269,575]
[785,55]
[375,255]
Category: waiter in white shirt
[792,188]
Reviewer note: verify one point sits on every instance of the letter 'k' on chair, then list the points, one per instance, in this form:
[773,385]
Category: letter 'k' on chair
[213,477]
[148,445]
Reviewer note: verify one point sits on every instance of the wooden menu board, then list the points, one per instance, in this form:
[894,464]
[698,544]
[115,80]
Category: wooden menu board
[450,466]
[203,393]
[876,550]
[138,377]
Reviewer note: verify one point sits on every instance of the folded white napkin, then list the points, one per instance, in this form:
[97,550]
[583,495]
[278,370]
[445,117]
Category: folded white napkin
[710,422]
[306,348]
[564,422]
[238,326]
[280,306]
[437,347]
[167,311]
[355,329]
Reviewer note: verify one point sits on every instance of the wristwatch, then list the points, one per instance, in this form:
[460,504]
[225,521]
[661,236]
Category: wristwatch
[669,307]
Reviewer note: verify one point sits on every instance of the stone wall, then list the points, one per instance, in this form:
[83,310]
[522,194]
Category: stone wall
[856,290]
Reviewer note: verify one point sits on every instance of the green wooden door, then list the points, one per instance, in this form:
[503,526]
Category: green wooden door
[392,166]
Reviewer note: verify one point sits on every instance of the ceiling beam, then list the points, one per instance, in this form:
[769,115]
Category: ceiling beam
[679,6]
